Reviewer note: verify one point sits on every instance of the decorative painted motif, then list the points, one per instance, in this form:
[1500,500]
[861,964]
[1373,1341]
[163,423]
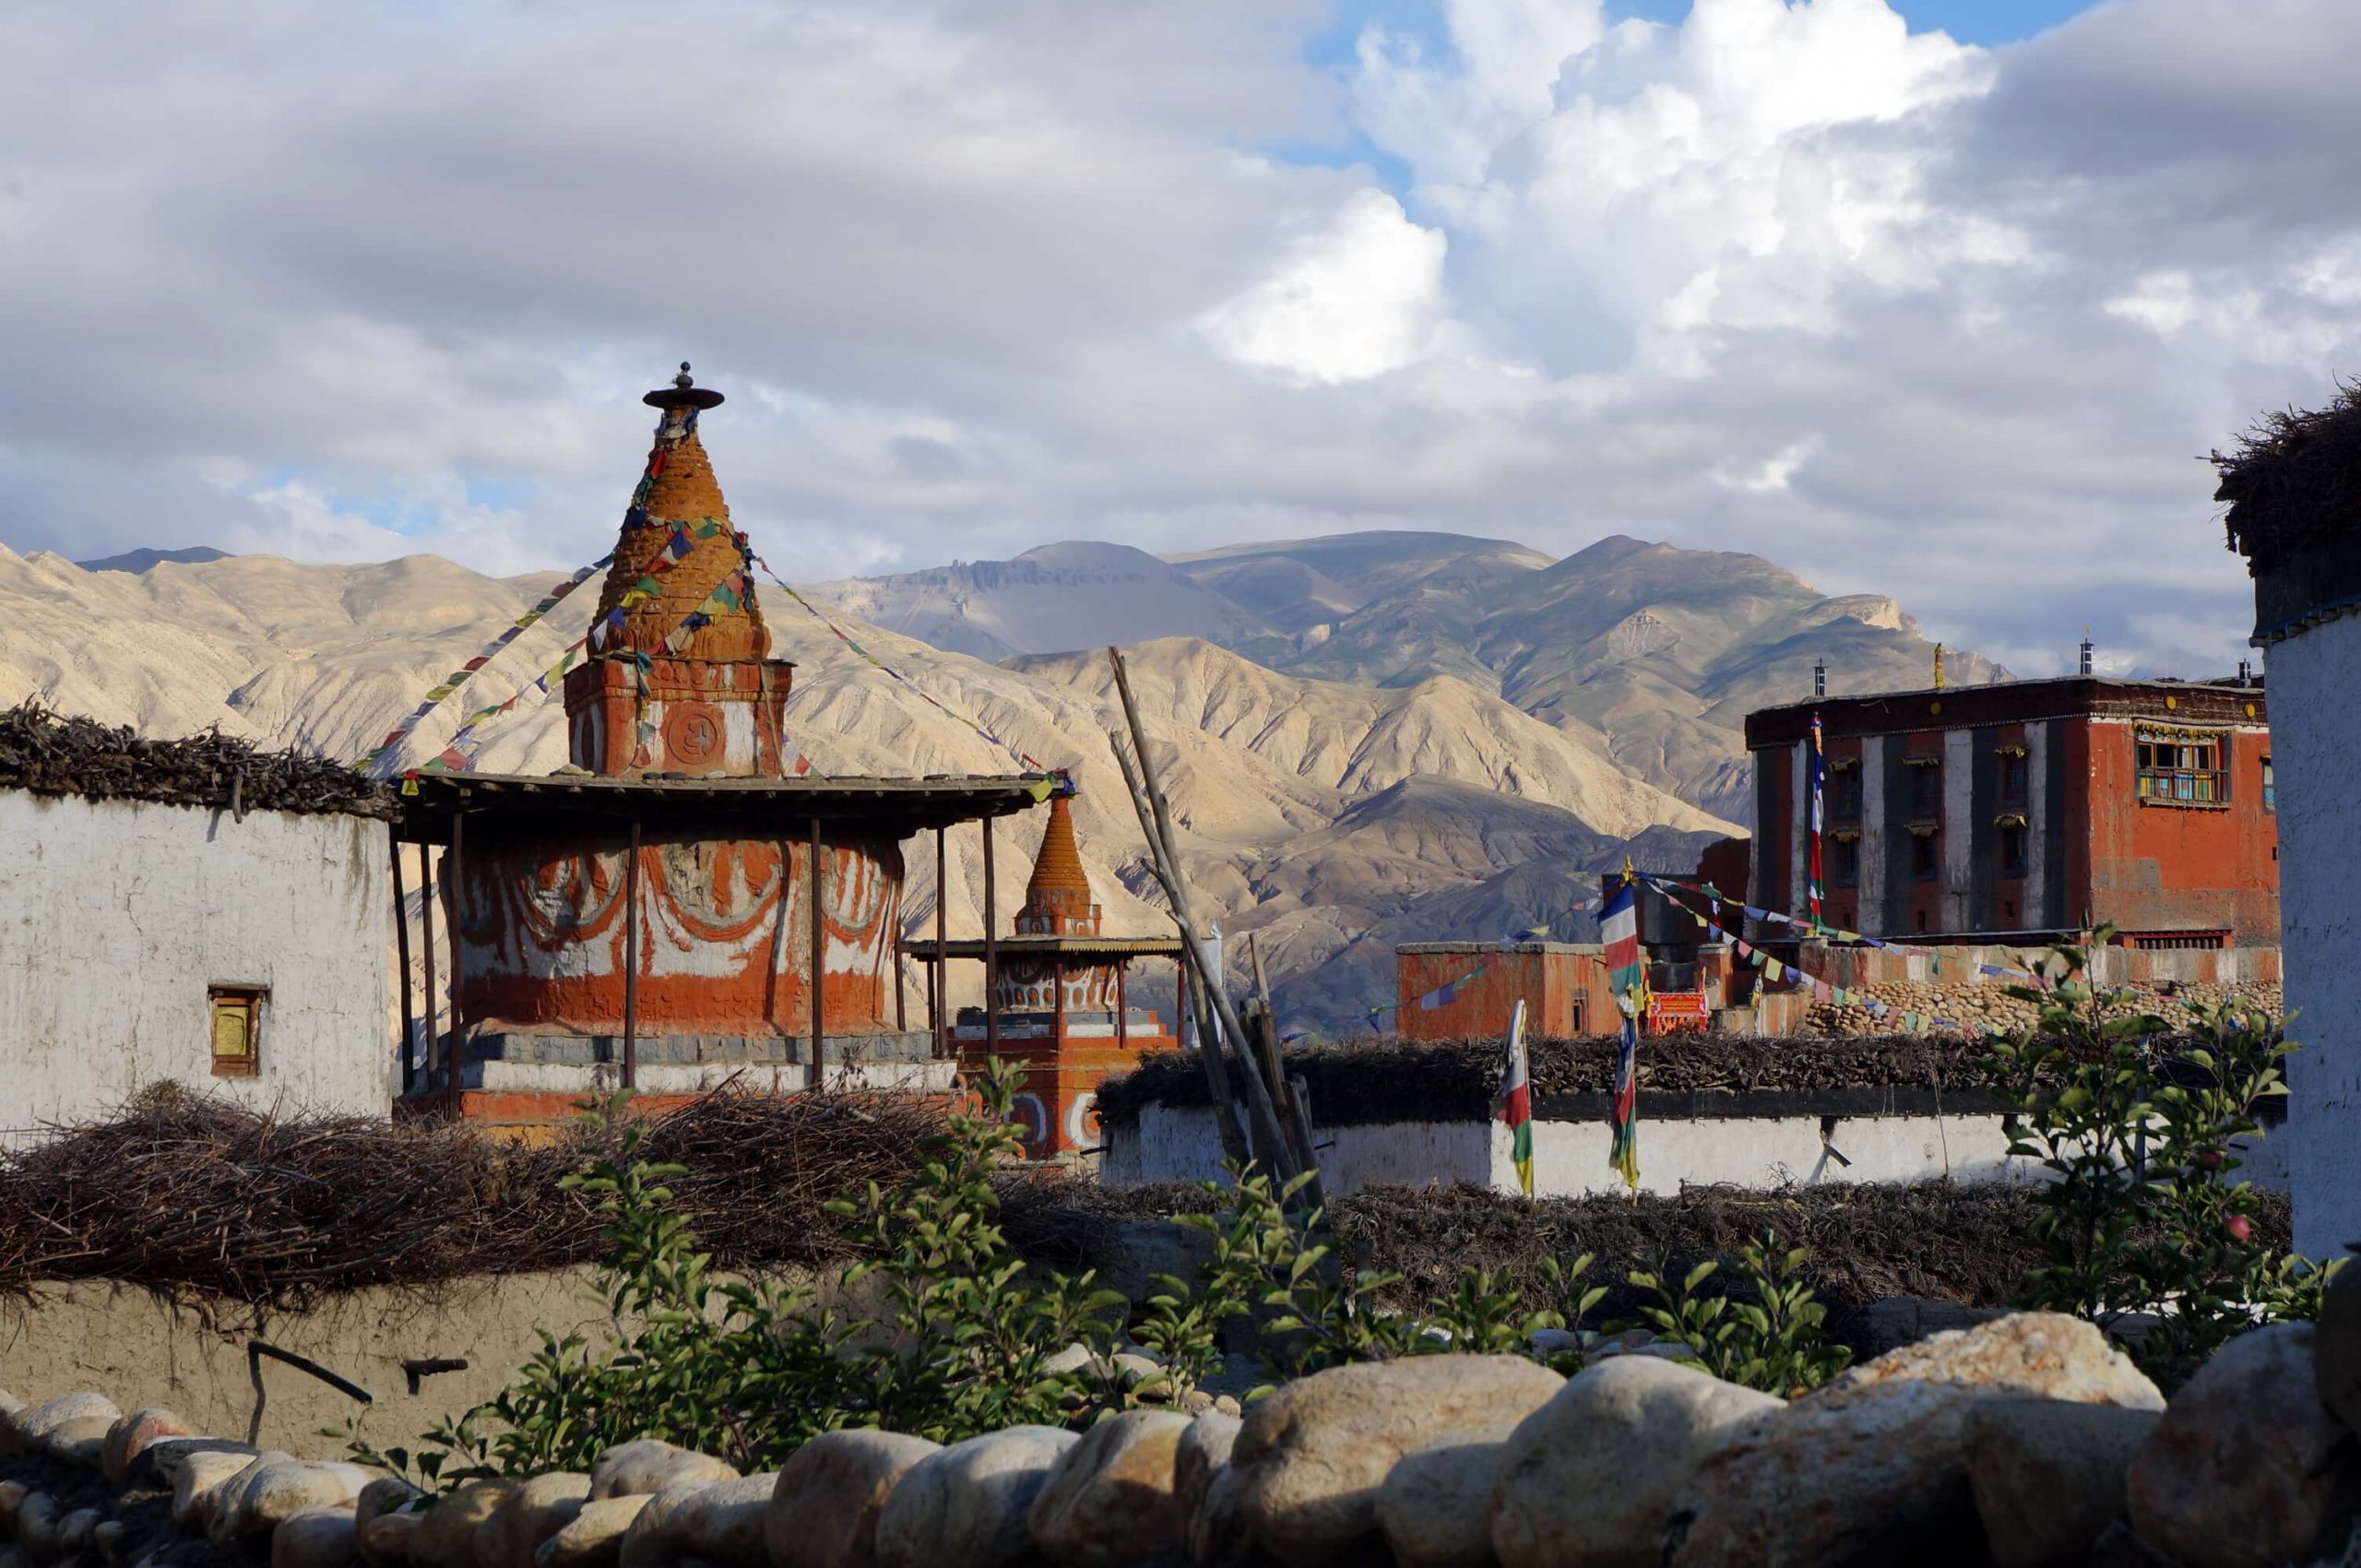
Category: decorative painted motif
[724,936]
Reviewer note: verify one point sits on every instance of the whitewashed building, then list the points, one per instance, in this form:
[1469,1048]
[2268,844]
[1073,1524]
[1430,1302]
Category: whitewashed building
[1780,1113]
[192,911]
[2291,487]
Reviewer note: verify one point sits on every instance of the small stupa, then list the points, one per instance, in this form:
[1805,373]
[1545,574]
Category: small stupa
[1060,1006]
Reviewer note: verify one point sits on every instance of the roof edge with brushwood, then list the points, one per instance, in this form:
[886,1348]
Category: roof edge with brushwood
[53,754]
[1379,1079]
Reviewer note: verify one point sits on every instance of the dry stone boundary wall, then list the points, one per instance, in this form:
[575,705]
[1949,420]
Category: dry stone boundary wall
[2028,1440]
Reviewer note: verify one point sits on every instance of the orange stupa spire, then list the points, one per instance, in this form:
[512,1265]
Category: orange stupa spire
[678,516]
[1056,898]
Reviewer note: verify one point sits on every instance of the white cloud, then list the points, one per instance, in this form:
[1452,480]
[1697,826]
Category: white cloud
[1910,317]
[1357,298]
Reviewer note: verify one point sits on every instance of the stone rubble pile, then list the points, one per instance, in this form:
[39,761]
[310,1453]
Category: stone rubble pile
[2025,1442]
[1981,1007]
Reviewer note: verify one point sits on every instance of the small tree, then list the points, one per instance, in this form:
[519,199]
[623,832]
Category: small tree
[2136,1124]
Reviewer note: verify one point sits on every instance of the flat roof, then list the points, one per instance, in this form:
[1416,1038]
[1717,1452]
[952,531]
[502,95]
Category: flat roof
[2011,702]
[761,807]
[1037,942]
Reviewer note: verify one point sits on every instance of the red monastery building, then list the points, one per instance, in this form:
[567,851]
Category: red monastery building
[1059,1004]
[2028,807]
[684,906]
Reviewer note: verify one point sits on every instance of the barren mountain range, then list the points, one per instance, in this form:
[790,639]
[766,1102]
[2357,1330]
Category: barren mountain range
[1368,738]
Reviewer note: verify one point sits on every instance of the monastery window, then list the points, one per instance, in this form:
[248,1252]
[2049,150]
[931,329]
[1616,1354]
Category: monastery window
[2269,795]
[1925,856]
[1926,787]
[2014,776]
[2182,768]
[237,1029]
[2012,848]
[1844,861]
[1845,794]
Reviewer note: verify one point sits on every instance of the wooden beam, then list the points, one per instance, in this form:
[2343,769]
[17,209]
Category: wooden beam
[630,961]
[402,952]
[433,1043]
[938,977]
[992,952]
[457,1052]
[819,954]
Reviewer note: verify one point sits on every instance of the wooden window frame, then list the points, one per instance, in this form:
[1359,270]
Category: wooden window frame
[1844,860]
[227,1000]
[2016,775]
[2189,768]
[1928,847]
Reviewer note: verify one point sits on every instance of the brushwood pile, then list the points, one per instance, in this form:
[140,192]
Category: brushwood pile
[50,754]
[2027,1440]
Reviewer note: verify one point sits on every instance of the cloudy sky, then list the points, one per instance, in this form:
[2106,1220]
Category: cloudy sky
[1938,298]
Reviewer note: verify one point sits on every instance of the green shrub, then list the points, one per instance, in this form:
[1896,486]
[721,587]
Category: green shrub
[2143,1224]
[750,1370]
[1773,1337]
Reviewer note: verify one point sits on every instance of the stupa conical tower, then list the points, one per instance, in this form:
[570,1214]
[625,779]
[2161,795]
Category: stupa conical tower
[680,678]
[1056,898]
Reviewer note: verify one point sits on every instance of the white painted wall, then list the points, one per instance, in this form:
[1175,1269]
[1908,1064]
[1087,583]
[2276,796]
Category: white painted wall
[1958,839]
[1570,1158]
[2314,677]
[2035,914]
[1181,1144]
[117,916]
[1798,824]
[1871,911]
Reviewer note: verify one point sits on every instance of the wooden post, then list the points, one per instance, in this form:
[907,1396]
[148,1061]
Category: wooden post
[992,953]
[1155,823]
[819,952]
[456,1052]
[901,981]
[402,952]
[939,978]
[1292,1121]
[1218,1086]
[1180,1002]
[432,1044]
[630,961]
[1057,1001]
[1122,1009]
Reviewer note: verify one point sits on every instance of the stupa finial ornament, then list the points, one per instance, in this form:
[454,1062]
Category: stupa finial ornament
[684,393]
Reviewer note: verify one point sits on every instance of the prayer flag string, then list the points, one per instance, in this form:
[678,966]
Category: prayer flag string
[1023,758]
[379,762]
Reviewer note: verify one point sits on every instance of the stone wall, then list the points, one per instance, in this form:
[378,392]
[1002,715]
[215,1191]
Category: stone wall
[127,911]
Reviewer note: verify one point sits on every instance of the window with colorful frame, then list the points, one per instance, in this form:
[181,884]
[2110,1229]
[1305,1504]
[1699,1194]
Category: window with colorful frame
[2183,767]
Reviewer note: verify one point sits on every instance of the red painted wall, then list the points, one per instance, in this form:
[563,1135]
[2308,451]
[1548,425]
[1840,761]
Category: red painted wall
[2170,867]
[1549,983]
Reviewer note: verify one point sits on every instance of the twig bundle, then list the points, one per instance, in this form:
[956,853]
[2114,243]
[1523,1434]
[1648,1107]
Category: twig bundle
[51,753]
[193,1196]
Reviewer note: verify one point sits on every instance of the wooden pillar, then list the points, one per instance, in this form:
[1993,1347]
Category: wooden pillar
[1058,1001]
[1122,1011]
[939,978]
[630,961]
[992,953]
[901,981]
[432,1047]
[819,952]
[402,952]
[454,1052]
[1181,1030]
